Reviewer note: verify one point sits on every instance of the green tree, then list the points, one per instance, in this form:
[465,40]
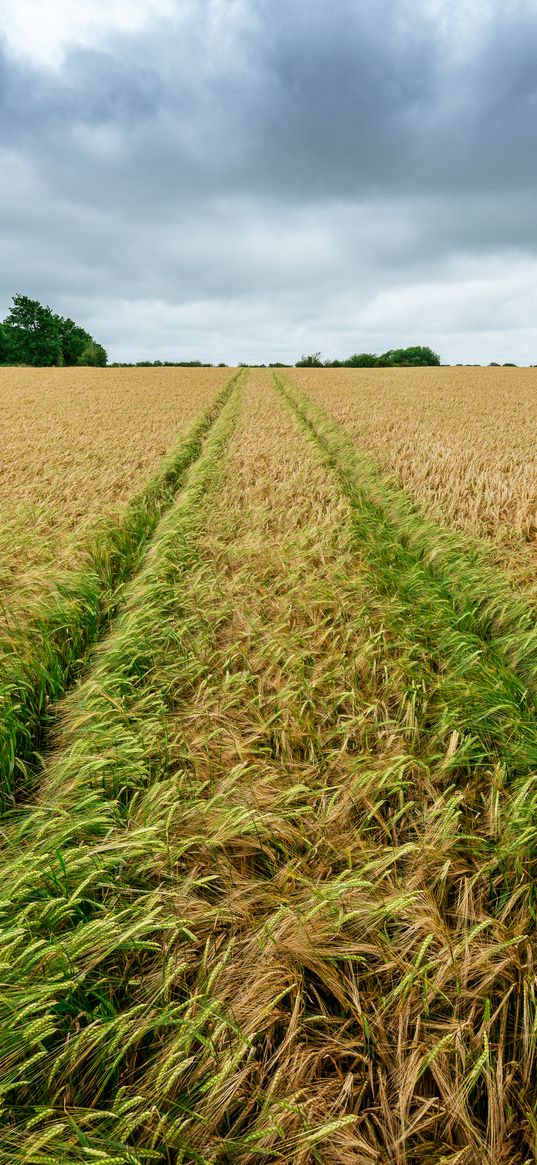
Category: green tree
[394,358]
[7,349]
[417,356]
[362,360]
[74,340]
[313,361]
[33,333]
[93,354]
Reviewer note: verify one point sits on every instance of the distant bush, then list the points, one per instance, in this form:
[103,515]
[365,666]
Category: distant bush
[92,354]
[313,361]
[361,360]
[164,364]
[415,357]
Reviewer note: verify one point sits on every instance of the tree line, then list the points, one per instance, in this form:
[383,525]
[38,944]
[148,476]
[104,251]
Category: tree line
[34,334]
[166,364]
[415,357]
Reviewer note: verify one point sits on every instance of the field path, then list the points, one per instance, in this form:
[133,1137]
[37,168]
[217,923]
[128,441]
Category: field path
[274,901]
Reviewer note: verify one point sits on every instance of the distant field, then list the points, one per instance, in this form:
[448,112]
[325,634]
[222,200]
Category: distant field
[463,441]
[267,773]
[76,445]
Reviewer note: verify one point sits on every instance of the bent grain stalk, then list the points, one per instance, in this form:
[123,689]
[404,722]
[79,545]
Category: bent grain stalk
[271,904]
[263,908]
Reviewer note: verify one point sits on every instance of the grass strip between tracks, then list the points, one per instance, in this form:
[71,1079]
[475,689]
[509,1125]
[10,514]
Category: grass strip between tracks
[44,656]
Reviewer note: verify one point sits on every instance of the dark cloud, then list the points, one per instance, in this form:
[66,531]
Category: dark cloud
[286,166]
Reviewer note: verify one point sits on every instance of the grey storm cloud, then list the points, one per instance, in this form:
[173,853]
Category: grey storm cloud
[239,180]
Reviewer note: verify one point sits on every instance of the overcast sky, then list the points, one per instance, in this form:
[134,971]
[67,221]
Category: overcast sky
[254,179]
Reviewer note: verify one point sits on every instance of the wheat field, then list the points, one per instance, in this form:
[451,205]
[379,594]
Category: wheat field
[76,445]
[268,875]
[462,441]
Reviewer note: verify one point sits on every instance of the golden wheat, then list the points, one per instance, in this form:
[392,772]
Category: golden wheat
[76,445]
[463,441]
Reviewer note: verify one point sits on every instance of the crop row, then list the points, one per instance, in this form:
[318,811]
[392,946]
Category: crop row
[41,657]
[462,441]
[77,445]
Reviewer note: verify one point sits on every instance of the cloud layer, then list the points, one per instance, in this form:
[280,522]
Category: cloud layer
[255,178]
